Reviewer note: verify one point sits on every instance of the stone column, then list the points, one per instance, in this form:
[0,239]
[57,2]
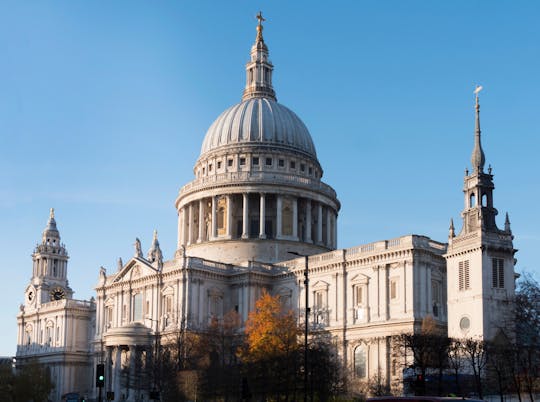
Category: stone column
[184,225]
[214,218]
[117,369]
[328,227]
[295,218]
[245,216]
[190,224]
[262,216]
[334,216]
[201,221]
[229,216]
[319,224]
[308,221]
[279,208]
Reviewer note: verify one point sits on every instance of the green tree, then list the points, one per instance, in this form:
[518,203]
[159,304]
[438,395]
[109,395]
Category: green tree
[32,383]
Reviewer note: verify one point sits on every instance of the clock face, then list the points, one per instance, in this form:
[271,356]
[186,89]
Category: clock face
[57,294]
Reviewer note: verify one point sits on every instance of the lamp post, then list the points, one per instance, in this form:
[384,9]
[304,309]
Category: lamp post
[306,287]
[154,394]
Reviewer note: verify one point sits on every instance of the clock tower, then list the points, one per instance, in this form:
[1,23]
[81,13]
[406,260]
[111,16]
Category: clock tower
[49,268]
[53,328]
[480,259]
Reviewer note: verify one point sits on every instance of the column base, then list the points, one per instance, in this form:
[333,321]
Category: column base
[262,236]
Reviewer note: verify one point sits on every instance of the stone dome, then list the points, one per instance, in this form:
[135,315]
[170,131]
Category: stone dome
[259,121]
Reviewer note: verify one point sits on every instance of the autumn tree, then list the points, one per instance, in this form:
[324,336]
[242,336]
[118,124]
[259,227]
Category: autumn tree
[271,350]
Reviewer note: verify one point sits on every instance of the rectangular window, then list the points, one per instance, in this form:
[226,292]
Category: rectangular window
[219,165]
[302,167]
[464,276]
[497,273]
[281,163]
[268,161]
[255,161]
[229,162]
[310,170]
[137,307]
[210,167]
[293,165]
[393,289]
[242,161]
[359,295]
[319,300]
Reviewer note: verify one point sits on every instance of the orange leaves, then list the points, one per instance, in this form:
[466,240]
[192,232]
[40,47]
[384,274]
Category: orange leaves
[270,331]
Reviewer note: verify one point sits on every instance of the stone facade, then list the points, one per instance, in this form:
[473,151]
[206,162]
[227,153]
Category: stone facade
[258,197]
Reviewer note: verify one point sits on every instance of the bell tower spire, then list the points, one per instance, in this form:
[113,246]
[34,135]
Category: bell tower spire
[477,158]
[259,68]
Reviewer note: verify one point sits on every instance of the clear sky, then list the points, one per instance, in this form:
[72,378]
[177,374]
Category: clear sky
[104,106]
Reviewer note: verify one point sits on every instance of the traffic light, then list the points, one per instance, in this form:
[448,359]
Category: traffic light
[100,375]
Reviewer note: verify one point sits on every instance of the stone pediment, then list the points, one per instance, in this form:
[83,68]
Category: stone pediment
[320,285]
[134,269]
[360,278]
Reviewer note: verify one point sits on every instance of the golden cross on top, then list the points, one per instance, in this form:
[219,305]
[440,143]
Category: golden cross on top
[260,18]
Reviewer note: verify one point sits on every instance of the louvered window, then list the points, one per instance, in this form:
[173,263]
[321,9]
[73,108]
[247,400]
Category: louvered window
[464,275]
[497,279]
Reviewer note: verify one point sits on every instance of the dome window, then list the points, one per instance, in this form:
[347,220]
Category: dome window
[255,161]
[281,163]
[268,161]
[242,161]
[293,165]
[219,165]
[210,167]
[302,167]
[310,170]
[230,162]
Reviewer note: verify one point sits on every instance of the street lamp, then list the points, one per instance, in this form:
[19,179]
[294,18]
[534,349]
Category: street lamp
[306,285]
[154,394]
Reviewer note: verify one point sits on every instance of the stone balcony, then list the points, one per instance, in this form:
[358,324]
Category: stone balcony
[258,178]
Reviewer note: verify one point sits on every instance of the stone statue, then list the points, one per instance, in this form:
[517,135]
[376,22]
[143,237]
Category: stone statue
[138,250]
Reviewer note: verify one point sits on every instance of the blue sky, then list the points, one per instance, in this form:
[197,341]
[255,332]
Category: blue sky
[104,106]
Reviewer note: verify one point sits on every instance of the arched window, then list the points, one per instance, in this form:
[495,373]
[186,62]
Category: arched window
[360,361]
[484,200]
[472,201]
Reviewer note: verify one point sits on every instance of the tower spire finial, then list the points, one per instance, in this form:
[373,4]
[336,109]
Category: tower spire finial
[51,213]
[259,69]
[477,158]
[260,27]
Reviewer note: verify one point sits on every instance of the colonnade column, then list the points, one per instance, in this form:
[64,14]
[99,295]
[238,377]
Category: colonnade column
[308,221]
[335,230]
[201,221]
[295,218]
[328,227]
[262,216]
[245,216]
[319,224]
[279,208]
[214,217]
[184,225]
[229,216]
[190,224]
